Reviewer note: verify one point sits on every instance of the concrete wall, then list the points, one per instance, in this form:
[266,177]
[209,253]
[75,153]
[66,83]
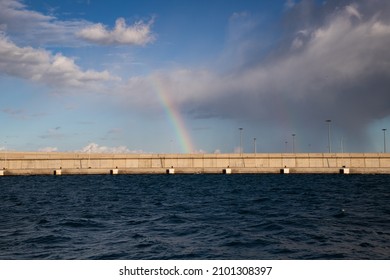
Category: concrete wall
[22,163]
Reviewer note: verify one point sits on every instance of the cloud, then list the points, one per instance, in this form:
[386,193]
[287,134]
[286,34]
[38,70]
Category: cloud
[96,148]
[336,67]
[34,28]
[353,11]
[37,29]
[48,149]
[42,66]
[15,16]
[136,34]
[337,70]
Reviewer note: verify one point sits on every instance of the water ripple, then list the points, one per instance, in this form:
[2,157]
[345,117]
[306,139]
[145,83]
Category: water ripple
[195,217]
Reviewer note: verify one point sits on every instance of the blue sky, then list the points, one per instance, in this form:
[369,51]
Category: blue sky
[184,76]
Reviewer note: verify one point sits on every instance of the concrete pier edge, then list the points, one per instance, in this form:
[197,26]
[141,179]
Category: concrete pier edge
[39,163]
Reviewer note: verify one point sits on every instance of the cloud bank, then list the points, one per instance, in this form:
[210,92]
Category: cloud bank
[23,30]
[96,148]
[334,65]
[42,66]
[34,28]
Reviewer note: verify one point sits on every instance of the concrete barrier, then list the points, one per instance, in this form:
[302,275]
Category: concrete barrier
[34,163]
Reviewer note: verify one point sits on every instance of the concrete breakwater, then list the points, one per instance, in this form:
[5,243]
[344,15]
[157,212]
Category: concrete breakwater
[37,163]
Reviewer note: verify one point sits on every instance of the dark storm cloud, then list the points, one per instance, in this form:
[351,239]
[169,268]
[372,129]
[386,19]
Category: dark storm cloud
[332,62]
[321,61]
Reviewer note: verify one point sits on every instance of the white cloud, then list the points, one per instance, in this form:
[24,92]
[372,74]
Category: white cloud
[96,148]
[37,29]
[379,28]
[48,149]
[352,10]
[34,28]
[13,15]
[137,34]
[199,151]
[42,66]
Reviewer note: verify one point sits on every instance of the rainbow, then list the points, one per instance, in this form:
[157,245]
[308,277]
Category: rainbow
[162,90]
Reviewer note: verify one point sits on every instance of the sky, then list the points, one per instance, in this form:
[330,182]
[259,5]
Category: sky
[184,76]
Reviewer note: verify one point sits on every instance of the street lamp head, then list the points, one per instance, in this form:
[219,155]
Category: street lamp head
[384,129]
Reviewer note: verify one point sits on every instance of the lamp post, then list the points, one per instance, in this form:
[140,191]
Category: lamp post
[241,150]
[89,156]
[293,145]
[329,143]
[384,139]
[285,146]
[5,154]
[254,145]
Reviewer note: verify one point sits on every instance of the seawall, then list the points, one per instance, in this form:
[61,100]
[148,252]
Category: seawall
[38,163]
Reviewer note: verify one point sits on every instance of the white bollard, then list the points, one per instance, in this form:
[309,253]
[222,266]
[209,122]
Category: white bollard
[344,170]
[114,171]
[285,170]
[227,171]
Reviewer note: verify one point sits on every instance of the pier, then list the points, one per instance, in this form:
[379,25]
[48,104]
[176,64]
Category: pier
[38,163]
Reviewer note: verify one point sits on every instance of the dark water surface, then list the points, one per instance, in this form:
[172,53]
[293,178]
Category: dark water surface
[195,217]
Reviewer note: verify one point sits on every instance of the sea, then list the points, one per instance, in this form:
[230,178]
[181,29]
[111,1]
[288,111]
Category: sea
[200,216]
